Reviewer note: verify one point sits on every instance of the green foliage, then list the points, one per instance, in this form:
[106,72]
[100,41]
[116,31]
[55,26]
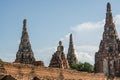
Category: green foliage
[74,66]
[87,67]
[1,60]
[80,66]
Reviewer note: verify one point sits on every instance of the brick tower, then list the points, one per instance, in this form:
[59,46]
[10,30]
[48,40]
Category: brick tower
[107,59]
[71,56]
[58,58]
[25,54]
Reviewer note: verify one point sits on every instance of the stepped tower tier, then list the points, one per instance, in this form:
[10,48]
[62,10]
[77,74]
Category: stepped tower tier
[25,54]
[107,58]
[58,58]
[71,56]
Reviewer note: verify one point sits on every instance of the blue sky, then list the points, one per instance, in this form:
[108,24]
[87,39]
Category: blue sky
[52,20]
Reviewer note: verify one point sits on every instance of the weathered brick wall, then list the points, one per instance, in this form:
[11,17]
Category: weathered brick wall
[28,72]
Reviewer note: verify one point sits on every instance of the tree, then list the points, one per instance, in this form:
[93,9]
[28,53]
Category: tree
[1,60]
[74,66]
[80,66]
[87,67]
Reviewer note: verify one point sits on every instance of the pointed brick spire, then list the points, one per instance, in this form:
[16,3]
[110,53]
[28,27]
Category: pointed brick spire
[71,56]
[24,25]
[106,57]
[109,25]
[71,41]
[109,18]
[25,54]
[108,7]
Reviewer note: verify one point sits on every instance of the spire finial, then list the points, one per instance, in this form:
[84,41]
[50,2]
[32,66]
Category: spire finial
[109,18]
[60,43]
[71,40]
[70,37]
[24,22]
[108,7]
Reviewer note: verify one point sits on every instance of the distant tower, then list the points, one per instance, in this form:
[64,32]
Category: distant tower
[71,56]
[107,59]
[25,54]
[58,58]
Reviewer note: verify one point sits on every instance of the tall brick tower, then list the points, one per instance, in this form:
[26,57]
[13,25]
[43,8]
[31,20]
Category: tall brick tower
[71,56]
[25,54]
[107,59]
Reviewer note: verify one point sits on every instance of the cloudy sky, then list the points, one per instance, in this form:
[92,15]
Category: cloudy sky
[52,20]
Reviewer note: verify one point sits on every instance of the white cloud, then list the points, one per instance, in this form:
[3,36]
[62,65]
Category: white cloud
[117,19]
[117,23]
[85,57]
[87,26]
[87,48]
[90,26]
[85,53]
[66,37]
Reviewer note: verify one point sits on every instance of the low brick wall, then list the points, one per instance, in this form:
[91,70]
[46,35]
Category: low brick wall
[28,72]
